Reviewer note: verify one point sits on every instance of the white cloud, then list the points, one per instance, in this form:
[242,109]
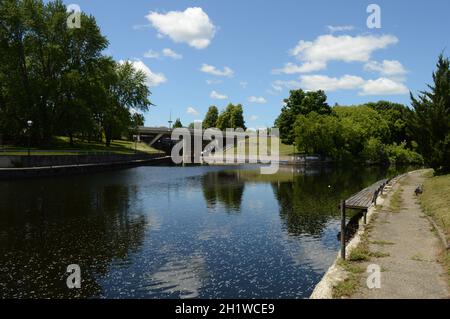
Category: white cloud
[243,84]
[254,118]
[192,111]
[323,82]
[150,54]
[383,86]
[316,54]
[211,82]
[386,68]
[291,68]
[218,96]
[290,84]
[191,26]
[257,99]
[171,54]
[380,86]
[339,28]
[209,69]
[153,79]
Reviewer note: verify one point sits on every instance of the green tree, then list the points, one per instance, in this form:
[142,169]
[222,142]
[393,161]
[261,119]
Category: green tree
[429,122]
[44,67]
[318,134]
[59,78]
[396,117]
[359,124]
[138,119]
[211,118]
[299,103]
[231,117]
[177,124]
[128,90]
[374,151]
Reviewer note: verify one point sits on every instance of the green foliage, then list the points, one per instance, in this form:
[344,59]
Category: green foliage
[211,118]
[299,103]
[318,134]
[58,77]
[364,121]
[374,151]
[429,123]
[400,154]
[395,116]
[231,117]
[137,120]
[177,124]
[351,133]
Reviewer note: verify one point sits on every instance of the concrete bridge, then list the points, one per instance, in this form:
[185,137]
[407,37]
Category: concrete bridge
[160,138]
[156,137]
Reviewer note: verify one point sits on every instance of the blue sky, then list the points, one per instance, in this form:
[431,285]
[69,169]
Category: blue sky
[201,53]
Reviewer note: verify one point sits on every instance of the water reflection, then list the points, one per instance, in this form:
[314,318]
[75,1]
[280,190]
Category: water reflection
[149,232]
[48,227]
[308,200]
[223,187]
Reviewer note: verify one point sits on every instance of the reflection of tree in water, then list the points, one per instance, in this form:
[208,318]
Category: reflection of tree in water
[54,227]
[308,202]
[223,187]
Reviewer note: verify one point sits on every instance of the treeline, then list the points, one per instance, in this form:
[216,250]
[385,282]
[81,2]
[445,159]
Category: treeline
[375,132]
[230,117]
[58,78]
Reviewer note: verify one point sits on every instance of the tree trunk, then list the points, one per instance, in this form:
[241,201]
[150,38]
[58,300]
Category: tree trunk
[108,136]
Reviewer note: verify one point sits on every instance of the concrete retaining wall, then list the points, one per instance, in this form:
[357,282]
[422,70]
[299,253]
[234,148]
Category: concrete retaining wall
[31,172]
[21,161]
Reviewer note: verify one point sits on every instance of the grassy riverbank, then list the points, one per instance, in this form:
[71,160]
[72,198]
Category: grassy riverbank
[284,149]
[61,146]
[436,204]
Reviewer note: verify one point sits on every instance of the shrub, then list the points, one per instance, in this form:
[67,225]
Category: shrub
[399,154]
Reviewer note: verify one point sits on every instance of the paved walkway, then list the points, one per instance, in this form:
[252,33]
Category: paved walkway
[412,269]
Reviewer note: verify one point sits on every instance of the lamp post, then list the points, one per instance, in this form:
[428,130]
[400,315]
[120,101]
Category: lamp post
[29,124]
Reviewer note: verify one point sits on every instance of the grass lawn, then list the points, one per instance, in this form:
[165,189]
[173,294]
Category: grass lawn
[285,150]
[436,203]
[61,146]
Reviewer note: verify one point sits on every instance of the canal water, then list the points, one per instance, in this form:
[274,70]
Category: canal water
[174,232]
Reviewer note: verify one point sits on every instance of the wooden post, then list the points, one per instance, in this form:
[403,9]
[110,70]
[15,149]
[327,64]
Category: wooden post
[343,230]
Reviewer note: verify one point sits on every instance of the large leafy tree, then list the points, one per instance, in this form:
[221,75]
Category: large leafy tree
[127,90]
[58,77]
[231,117]
[211,118]
[299,103]
[430,120]
[318,134]
[45,66]
[396,117]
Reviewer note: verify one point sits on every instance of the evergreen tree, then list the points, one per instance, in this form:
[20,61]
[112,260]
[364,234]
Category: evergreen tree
[430,120]
[177,124]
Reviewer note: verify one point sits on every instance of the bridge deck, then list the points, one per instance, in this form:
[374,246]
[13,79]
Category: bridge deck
[364,198]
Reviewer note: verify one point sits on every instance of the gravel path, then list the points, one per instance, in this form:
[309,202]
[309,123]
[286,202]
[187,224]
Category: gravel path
[411,270]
